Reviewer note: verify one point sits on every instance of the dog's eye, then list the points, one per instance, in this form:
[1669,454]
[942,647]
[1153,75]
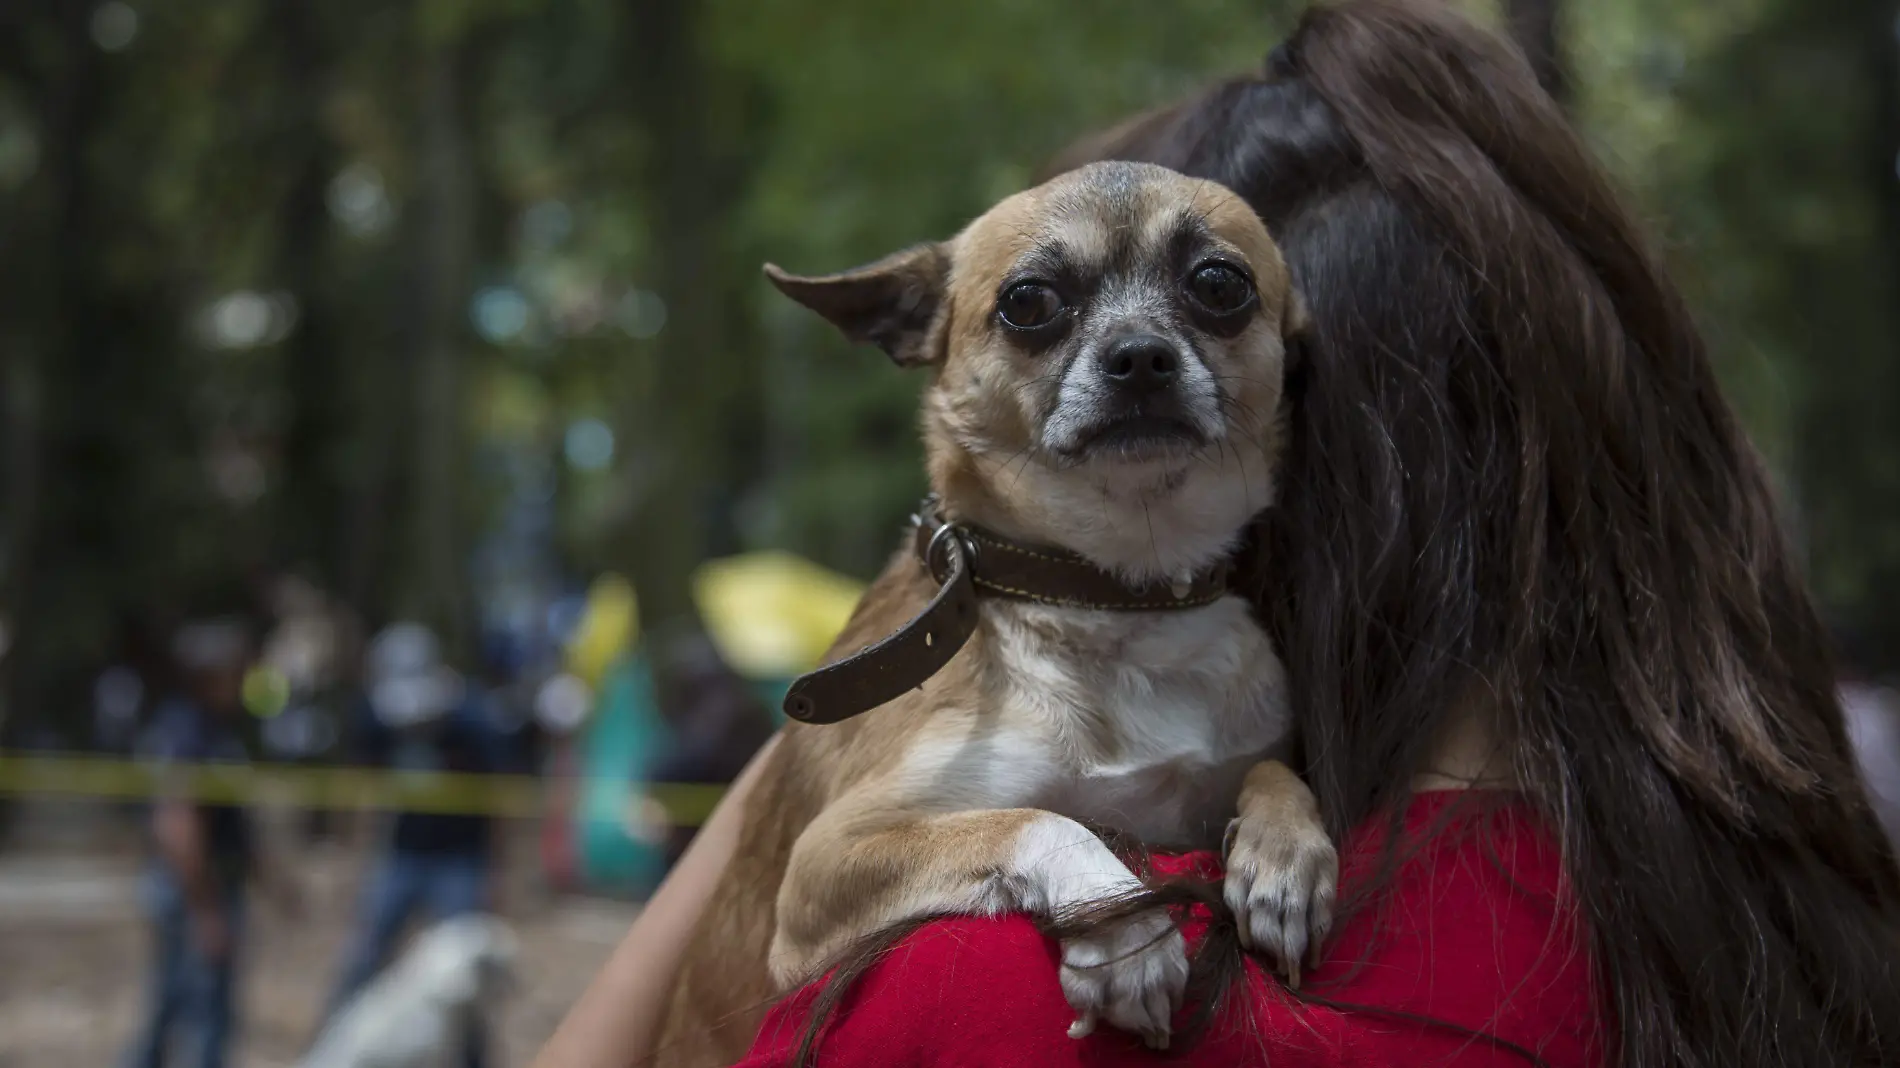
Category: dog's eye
[1220,288]
[1029,306]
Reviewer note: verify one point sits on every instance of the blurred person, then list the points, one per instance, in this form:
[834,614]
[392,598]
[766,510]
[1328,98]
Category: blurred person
[562,705]
[617,1019]
[207,852]
[1872,711]
[302,668]
[602,711]
[123,690]
[507,696]
[118,697]
[617,831]
[307,637]
[717,722]
[421,716]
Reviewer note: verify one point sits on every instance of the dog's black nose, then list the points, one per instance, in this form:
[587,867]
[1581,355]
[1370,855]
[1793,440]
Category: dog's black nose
[1144,363]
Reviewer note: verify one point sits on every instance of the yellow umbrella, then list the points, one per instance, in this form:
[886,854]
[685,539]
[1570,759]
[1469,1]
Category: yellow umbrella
[773,614]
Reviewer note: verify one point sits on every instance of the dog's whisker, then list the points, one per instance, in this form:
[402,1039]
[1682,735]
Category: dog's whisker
[1027,458]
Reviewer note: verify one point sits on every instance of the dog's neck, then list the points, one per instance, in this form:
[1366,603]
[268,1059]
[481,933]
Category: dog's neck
[1143,526]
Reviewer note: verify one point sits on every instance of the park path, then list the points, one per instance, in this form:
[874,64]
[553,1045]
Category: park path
[74,954]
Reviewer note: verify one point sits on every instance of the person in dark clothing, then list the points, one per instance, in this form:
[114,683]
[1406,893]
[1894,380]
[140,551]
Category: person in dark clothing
[207,851]
[420,717]
[717,723]
[716,719]
[1871,705]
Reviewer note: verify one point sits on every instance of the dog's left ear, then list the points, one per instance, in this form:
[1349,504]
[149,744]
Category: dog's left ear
[896,303]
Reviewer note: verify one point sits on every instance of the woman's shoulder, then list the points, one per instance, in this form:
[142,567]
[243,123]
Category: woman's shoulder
[1477,931]
[1471,955]
[965,984]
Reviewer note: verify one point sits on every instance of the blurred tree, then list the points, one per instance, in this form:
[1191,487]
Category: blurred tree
[446,203]
[310,490]
[1789,199]
[693,403]
[52,69]
[521,242]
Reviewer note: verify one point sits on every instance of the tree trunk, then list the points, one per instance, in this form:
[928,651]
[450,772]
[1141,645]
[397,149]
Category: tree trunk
[688,403]
[309,509]
[50,331]
[1878,380]
[437,548]
[1535,25]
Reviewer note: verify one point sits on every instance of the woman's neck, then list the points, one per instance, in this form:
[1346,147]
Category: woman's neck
[1469,751]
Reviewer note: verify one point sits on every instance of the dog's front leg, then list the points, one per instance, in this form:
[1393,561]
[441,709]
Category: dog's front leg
[862,866]
[1282,870]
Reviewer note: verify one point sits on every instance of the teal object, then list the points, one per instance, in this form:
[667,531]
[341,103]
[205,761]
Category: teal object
[772,692]
[623,738]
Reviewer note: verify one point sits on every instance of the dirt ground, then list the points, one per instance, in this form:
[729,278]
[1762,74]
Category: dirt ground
[74,952]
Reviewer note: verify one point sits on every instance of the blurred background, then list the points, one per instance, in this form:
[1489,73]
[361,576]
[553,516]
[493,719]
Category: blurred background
[376,365]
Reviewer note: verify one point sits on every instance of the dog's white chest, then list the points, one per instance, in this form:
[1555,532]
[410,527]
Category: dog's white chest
[1145,723]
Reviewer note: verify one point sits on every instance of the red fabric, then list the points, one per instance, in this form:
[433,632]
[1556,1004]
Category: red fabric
[1476,930]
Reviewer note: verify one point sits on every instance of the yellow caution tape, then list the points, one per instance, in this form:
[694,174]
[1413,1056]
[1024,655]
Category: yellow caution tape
[457,793]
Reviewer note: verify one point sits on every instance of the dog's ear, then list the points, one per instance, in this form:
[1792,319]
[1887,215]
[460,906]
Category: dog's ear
[896,303]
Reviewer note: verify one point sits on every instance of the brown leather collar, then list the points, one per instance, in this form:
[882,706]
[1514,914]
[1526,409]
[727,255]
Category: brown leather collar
[969,563]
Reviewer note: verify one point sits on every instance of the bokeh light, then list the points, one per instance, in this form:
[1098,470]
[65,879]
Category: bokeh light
[115,25]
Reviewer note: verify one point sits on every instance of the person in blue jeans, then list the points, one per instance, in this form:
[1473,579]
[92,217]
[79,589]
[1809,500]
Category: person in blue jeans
[421,717]
[194,974]
[206,855]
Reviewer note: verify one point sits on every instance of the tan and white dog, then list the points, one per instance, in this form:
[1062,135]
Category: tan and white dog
[1106,356]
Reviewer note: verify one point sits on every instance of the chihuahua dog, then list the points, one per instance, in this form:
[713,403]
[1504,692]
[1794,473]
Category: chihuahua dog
[1058,647]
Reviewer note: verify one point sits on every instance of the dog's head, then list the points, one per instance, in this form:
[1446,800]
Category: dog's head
[1108,352]
[464,959]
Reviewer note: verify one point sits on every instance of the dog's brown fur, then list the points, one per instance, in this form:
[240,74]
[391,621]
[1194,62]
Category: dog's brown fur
[849,829]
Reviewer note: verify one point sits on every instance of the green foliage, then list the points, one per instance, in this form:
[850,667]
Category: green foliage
[616,156]
[1764,136]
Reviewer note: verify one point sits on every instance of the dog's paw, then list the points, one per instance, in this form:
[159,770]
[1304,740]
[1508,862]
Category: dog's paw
[1133,975]
[1281,879]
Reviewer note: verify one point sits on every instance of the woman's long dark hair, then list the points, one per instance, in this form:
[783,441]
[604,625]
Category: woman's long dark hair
[1511,473]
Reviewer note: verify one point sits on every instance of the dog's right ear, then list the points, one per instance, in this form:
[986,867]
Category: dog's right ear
[896,303]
